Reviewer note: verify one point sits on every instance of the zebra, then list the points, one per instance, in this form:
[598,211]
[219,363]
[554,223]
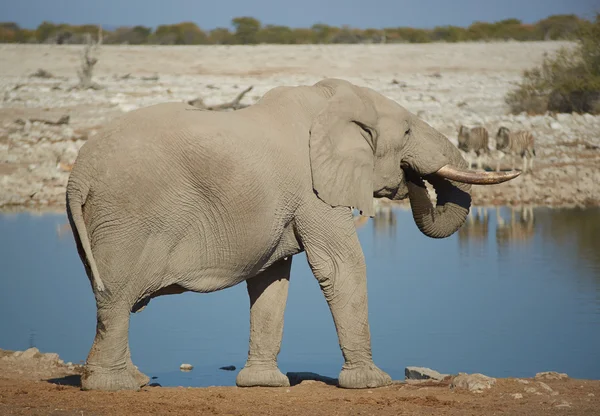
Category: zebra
[520,143]
[473,139]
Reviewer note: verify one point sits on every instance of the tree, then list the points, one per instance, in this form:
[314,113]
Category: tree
[449,34]
[246,29]
[561,26]
[185,33]
[323,33]
[275,34]
[45,30]
[221,36]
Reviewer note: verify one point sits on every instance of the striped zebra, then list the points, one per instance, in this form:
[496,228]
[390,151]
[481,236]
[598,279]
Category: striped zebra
[520,143]
[473,139]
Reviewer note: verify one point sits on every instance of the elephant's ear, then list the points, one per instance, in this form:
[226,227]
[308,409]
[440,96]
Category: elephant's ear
[342,150]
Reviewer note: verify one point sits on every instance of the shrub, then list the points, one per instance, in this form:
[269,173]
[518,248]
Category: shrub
[566,82]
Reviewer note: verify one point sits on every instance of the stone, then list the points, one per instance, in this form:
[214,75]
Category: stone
[545,386]
[530,390]
[523,381]
[517,396]
[551,375]
[51,357]
[186,367]
[422,373]
[29,353]
[555,126]
[473,382]
[563,403]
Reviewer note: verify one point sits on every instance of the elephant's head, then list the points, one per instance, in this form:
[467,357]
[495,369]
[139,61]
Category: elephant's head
[364,145]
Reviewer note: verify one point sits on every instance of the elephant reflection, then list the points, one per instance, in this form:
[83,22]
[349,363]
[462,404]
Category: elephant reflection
[476,227]
[384,219]
[520,228]
[63,229]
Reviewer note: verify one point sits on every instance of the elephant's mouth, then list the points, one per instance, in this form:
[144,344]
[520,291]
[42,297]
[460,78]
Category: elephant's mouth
[394,193]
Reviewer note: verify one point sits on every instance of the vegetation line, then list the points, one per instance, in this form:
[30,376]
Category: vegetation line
[248,30]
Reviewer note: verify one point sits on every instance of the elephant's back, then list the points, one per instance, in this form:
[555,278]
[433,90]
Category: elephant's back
[170,158]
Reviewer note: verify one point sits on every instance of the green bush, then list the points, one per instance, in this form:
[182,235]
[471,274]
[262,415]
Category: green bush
[566,82]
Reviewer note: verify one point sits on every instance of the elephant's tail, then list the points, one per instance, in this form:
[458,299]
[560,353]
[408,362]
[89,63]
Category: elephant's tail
[75,201]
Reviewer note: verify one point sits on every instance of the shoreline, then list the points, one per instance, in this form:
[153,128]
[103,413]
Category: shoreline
[34,383]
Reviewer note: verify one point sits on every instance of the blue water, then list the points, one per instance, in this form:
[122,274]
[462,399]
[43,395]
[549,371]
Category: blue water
[504,302]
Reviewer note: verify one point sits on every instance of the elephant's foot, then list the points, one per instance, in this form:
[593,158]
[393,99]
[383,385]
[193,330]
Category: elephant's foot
[98,378]
[363,376]
[261,375]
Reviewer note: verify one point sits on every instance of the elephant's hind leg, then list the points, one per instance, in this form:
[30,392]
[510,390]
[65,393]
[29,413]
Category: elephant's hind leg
[108,365]
[268,296]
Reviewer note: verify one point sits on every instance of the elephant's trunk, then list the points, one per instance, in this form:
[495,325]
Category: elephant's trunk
[438,161]
[452,208]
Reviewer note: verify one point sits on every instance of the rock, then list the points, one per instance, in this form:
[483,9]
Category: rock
[555,126]
[473,382]
[523,381]
[228,368]
[530,390]
[401,84]
[563,403]
[51,357]
[545,386]
[304,376]
[29,353]
[551,375]
[517,396]
[422,373]
[186,367]
[591,395]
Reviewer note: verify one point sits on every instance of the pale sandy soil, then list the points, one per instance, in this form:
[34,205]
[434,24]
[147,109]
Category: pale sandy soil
[446,84]
[40,384]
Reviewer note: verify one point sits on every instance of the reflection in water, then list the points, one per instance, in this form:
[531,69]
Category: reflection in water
[519,229]
[476,227]
[574,230]
[384,221]
[481,300]
[63,230]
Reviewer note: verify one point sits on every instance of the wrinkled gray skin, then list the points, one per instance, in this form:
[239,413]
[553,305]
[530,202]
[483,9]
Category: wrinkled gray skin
[169,199]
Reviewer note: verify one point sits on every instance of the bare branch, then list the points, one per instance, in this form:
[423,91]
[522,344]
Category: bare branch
[88,60]
[63,120]
[232,105]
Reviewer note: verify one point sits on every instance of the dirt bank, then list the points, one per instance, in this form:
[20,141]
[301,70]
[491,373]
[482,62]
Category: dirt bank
[446,84]
[40,384]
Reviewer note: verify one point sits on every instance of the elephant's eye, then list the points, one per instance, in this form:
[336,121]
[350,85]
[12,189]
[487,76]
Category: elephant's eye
[407,132]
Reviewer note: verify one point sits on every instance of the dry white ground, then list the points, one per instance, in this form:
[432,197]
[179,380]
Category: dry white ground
[446,84]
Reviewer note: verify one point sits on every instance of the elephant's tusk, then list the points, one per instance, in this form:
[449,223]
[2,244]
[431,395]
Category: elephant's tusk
[476,178]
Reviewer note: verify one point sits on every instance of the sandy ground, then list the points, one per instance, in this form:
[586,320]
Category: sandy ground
[32,383]
[446,84]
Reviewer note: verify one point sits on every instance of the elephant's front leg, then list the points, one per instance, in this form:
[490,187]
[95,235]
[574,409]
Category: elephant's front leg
[337,261]
[268,296]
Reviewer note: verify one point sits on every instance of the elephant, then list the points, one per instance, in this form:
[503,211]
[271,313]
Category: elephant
[171,198]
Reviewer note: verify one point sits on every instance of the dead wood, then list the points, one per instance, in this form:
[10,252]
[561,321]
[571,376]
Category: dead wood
[235,104]
[88,60]
[41,73]
[62,120]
